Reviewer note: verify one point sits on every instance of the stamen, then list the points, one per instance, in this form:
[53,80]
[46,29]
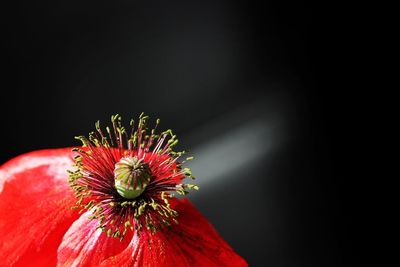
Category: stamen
[124,177]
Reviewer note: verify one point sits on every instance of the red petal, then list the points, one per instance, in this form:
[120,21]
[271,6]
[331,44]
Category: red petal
[85,245]
[193,242]
[35,207]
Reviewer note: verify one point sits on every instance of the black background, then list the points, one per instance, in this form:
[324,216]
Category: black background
[196,64]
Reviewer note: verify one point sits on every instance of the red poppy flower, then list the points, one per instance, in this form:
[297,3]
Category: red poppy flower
[123,214]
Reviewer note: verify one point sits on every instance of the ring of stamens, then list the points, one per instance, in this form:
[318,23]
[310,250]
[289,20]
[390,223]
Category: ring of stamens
[125,179]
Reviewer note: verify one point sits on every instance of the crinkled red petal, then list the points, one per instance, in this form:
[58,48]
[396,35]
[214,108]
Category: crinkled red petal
[37,225]
[35,207]
[84,245]
[192,242]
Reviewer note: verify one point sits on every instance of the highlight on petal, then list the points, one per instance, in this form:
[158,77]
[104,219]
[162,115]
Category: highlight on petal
[192,242]
[35,207]
[86,245]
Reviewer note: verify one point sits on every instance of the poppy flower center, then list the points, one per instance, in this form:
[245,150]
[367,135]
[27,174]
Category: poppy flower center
[126,177]
[131,176]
